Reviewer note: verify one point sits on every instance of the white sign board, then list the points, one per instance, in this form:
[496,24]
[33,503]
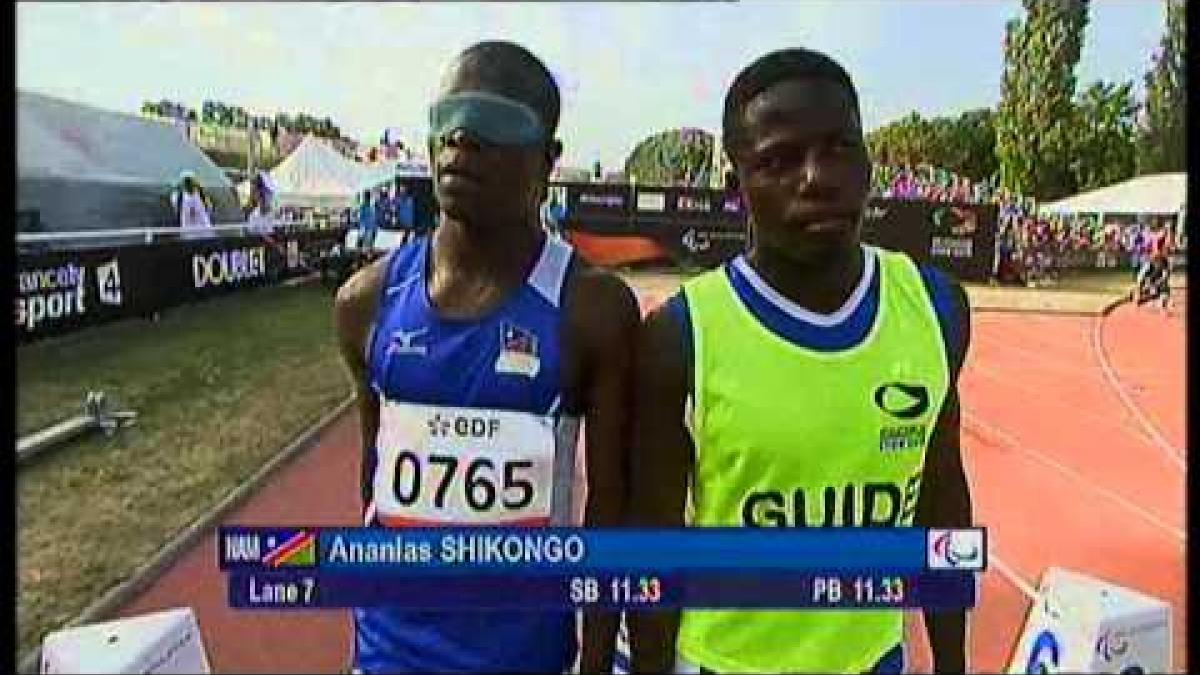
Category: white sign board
[651,201]
[163,642]
[1080,624]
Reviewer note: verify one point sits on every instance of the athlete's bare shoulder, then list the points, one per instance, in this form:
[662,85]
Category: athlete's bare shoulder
[597,300]
[600,312]
[362,289]
[355,304]
[662,336]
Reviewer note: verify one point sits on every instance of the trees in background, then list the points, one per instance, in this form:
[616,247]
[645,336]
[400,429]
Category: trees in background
[1046,139]
[672,157]
[220,114]
[965,145]
[1102,140]
[1161,131]
[1034,134]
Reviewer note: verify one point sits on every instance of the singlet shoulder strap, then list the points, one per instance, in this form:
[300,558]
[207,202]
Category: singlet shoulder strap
[677,307]
[550,272]
[403,264]
[937,284]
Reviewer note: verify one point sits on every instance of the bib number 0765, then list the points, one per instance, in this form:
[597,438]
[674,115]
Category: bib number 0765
[480,483]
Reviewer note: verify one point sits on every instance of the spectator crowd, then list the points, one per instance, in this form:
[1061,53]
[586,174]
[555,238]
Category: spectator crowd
[390,207]
[1030,248]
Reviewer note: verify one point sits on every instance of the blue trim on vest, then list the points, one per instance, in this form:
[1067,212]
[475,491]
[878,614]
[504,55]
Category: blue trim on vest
[844,335]
[677,306]
[938,286]
[891,662]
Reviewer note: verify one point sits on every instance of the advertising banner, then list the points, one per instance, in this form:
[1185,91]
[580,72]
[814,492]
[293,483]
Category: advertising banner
[62,291]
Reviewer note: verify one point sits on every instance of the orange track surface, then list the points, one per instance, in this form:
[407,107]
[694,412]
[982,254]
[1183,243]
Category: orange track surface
[1063,472]
[609,250]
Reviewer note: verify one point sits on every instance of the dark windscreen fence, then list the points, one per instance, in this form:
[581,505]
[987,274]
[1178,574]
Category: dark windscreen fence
[63,291]
[606,208]
[705,227]
[958,238]
[697,226]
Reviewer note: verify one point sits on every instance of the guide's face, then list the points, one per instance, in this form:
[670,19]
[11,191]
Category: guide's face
[480,181]
[804,169]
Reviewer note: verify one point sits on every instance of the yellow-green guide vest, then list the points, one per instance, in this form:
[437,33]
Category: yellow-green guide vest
[788,436]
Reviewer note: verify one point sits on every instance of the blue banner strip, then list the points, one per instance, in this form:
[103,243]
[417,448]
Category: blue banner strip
[556,550]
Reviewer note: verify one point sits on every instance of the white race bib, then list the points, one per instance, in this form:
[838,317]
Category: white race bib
[441,465]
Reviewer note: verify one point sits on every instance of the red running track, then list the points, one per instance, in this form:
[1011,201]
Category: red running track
[1070,464]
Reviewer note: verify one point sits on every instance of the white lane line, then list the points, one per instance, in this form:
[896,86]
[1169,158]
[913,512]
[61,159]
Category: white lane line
[1045,459]
[1135,432]
[1011,576]
[1172,452]
[1039,357]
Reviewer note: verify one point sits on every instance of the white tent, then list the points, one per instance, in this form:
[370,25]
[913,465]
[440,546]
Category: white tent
[317,176]
[385,172]
[85,168]
[1163,194]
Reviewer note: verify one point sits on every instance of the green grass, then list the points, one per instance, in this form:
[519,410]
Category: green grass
[219,388]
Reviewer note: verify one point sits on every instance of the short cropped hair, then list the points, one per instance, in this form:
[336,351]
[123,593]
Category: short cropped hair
[769,70]
[512,70]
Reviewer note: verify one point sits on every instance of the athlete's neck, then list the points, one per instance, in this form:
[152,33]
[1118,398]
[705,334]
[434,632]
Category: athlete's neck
[471,269]
[822,287]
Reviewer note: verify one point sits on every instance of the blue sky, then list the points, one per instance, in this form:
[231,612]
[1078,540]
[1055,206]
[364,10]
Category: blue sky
[627,69]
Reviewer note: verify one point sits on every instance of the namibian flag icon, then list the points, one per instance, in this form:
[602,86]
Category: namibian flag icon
[299,550]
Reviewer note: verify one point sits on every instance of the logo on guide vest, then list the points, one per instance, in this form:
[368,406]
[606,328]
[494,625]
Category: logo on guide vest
[905,401]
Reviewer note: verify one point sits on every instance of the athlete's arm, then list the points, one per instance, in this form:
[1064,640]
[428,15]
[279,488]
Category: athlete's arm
[353,311]
[661,454]
[945,499]
[602,319]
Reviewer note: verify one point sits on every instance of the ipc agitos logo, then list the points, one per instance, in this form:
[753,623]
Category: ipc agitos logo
[1045,654]
[1112,644]
[956,549]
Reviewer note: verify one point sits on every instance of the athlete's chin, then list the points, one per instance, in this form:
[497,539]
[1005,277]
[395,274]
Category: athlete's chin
[459,209]
[814,247]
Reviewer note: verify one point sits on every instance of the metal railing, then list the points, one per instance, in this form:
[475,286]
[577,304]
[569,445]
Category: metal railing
[146,233]
[151,234]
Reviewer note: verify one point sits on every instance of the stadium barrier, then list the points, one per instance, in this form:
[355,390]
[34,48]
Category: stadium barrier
[160,642]
[703,227]
[1079,624]
[65,290]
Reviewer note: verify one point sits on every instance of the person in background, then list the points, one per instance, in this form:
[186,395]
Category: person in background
[1159,239]
[260,212]
[384,215]
[553,214]
[1154,281]
[1154,270]
[368,224]
[405,211]
[192,208]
